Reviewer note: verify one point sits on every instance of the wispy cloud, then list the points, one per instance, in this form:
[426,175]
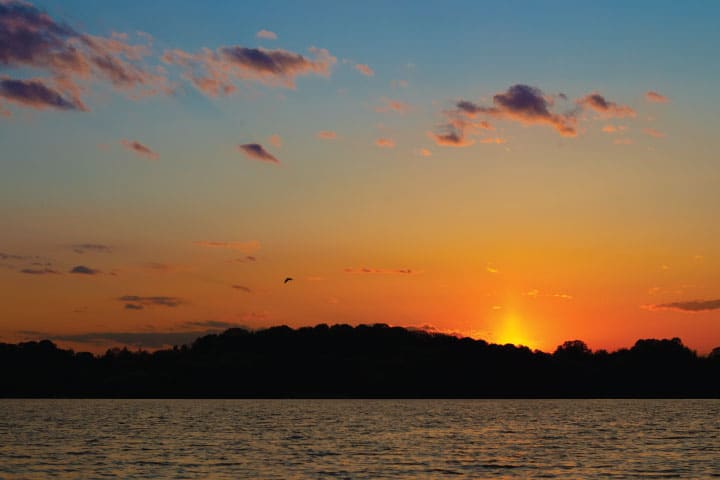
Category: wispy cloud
[653,133]
[687,306]
[91,248]
[40,271]
[266,35]
[246,247]
[242,288]
[451,139]
[382,271]
[385,143]
[423,152]
[326,135]
[137,302]
[216,72]
[139,149]
[255,151]
[535,293]
[364,69]
[389,105]
[656,97]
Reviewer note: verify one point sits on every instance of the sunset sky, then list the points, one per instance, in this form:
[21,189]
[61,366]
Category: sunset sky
[522,172]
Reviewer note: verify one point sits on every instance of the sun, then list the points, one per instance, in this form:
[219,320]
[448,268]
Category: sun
[512,329]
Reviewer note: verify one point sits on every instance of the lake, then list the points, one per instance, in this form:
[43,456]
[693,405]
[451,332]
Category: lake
[359,439]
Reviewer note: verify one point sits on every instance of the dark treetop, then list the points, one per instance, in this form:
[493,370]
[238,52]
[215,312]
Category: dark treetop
[362,361]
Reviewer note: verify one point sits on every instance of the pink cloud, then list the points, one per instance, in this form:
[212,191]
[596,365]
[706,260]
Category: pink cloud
[276,140]
[451,139]
[364,69]
[656,97]
[389,105]
[385,143]
[266,35]
[326,135]
[654,133]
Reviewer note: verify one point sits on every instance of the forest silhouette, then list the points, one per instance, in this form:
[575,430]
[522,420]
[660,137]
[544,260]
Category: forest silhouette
[366,361]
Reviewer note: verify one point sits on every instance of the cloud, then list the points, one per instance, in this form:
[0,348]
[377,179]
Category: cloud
[423,152]
[35,94]
[656,97]
[614,128]
[491,269]
[653,133]
[535,293]
[40,271]
[326,135]
[246,259]
[83,270]
[266,34]
[364,69]
[276,140]
[135,339]
[91,247]
[385,143]
[606,108]
[687,306]
[255,151]
[214,324]
[451,139]
[70,59]
[247,247]
[389,105]
[623,141]
[242,288]
[215,72]
[495,140]
[139,149]
[136,302]
[382,271]
[524,104]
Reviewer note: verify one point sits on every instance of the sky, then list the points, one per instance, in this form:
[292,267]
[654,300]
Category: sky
[521,172]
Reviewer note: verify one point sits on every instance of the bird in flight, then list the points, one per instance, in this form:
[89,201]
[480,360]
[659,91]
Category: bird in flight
[287,279]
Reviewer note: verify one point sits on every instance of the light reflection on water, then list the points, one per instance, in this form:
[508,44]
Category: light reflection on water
[359,439]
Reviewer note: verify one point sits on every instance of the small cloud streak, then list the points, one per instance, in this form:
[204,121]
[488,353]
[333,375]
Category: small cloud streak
[654,133]
[385,143]
[247,247]
[266,35]
[382,271]
[39,271]
[255,151]
[423,152]
[535,293]
[656,97]
[691,306]
[137,302]
[326,135]
[91,248]
[364,69]
[614,129]
[139,149]
[36,94]
[242,288]
[389,105]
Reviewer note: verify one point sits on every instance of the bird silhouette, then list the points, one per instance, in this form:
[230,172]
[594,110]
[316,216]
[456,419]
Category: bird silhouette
[287,279]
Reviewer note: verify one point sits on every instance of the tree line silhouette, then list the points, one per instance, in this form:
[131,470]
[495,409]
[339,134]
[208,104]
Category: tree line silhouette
[365,361]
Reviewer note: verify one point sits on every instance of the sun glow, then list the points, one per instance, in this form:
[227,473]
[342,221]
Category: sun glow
[513,330]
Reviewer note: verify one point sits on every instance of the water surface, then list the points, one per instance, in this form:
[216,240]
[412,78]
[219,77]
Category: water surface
[359,439]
